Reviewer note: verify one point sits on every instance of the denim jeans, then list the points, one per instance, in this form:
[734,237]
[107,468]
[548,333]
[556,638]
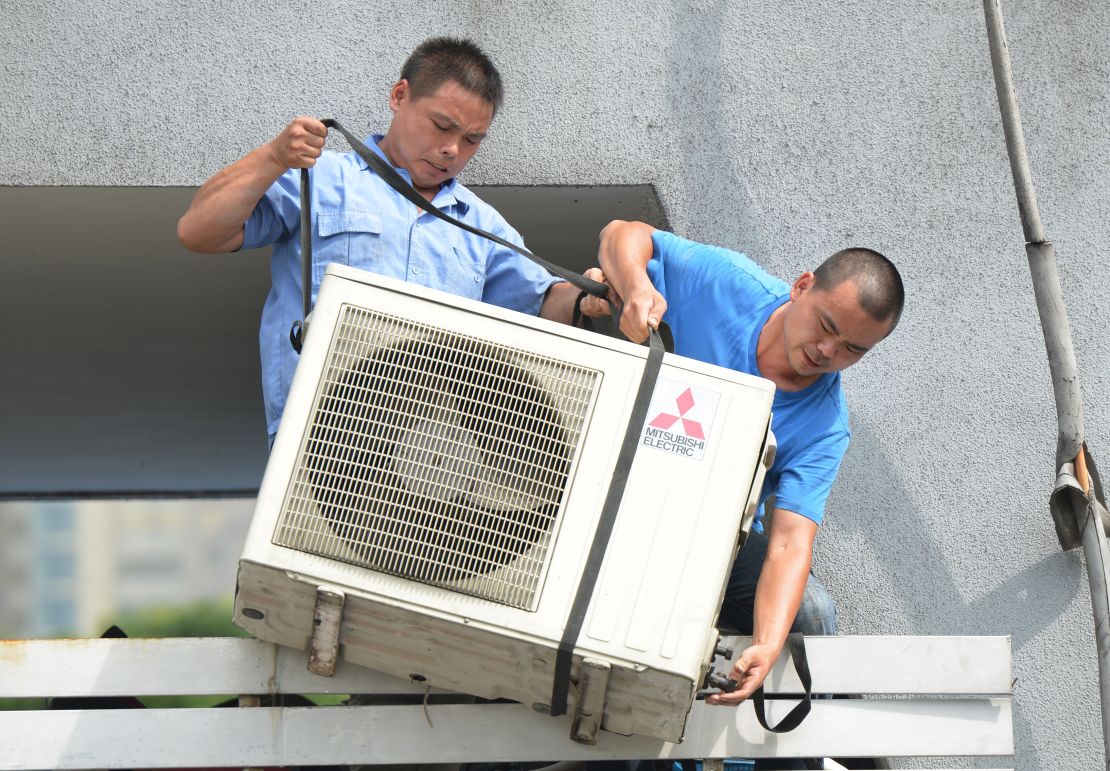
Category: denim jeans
[816,616]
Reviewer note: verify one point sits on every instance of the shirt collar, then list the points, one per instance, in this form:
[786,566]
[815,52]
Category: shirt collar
[447,192]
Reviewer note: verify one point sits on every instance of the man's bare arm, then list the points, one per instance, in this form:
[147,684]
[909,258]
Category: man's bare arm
[558,303]
[624,253]
[778,595]
[215,218]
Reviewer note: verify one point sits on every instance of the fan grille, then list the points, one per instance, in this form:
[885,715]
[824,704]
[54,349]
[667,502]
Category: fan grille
[437,456]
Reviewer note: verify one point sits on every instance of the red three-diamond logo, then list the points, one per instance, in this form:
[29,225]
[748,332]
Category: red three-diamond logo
[685,403]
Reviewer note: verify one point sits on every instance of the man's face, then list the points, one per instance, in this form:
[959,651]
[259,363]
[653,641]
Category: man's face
[827,330]
[435,135]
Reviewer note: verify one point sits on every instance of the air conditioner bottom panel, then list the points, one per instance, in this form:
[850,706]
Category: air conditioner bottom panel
[456,656]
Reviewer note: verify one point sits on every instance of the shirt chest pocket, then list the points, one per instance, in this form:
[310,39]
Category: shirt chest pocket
[459,271]
[347,237]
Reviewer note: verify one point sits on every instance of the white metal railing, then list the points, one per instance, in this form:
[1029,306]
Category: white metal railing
[919,696]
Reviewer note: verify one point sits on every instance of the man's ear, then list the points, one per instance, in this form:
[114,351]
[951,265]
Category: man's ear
[398,94]
[802,284]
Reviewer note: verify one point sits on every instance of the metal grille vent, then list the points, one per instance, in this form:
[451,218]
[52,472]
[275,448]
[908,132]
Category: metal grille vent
[437,456]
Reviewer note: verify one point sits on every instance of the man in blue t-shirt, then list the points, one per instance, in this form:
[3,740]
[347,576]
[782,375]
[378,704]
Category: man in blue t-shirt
[442,107]
[726,310]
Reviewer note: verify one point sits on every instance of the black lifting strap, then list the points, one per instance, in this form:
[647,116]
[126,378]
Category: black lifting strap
[660,341]
[794,718]
[390,176]
[564,656]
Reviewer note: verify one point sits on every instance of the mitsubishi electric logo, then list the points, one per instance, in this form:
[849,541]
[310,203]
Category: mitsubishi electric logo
[680,419]
[684,403]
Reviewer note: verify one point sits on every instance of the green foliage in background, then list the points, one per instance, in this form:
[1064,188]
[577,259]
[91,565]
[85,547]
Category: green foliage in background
[204,618]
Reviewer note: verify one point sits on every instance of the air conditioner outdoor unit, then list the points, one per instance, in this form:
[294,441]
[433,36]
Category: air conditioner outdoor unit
[441,465]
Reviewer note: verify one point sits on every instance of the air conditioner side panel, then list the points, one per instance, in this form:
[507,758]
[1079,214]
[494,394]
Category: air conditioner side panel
[675,539]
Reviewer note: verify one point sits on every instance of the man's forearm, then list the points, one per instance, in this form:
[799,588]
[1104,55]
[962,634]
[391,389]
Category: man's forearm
[215,218]
[624,253]
[558,303]
[778,594]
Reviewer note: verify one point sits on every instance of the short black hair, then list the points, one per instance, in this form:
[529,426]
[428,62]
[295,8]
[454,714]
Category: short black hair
[440,59]
[881,293]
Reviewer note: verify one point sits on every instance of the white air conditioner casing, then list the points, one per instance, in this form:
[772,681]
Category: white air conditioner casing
[443,463]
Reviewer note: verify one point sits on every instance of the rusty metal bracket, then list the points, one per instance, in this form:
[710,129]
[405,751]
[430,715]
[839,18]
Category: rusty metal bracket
[593,679]
[327,618]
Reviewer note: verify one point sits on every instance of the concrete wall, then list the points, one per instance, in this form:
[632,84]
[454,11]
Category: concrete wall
[786,129]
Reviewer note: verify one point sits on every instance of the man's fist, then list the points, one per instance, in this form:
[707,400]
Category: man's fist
[299,144]
[643,309]
[597,306]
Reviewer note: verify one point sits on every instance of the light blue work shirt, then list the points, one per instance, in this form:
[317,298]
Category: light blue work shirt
[718,301]
[358,220]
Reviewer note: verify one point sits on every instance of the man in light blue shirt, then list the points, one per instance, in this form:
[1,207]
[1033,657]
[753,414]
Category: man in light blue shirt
[442,107]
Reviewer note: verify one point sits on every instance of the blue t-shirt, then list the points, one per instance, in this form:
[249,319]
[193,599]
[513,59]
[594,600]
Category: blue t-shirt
[717,303]
[358,220]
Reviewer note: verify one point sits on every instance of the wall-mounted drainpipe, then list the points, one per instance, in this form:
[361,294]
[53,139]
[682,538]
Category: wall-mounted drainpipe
[1073,503]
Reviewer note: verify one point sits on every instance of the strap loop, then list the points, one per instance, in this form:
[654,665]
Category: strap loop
[576,317]
[796,642]
[297,331]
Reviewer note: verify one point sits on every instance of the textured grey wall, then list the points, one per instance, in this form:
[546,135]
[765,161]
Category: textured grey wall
[787,129]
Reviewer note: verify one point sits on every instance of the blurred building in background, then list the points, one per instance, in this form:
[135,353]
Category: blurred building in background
[68,568]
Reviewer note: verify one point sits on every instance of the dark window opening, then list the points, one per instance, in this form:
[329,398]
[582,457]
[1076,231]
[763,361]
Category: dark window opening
[132,365]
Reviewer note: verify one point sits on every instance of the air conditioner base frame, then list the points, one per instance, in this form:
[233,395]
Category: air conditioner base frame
[403,643]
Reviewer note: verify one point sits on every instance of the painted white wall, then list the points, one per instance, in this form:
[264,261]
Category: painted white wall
[787,129]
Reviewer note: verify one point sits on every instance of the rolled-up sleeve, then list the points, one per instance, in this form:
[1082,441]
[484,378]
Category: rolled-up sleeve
[276,217]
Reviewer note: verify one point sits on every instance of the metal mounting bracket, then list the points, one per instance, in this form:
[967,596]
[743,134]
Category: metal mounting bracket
[593,679]
[323,648]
